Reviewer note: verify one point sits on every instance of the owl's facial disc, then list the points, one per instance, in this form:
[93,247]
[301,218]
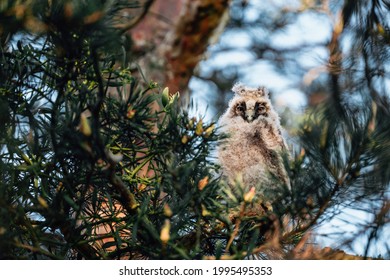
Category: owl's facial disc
[250,112]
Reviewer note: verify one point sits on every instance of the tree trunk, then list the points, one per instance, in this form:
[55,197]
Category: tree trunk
[173,38]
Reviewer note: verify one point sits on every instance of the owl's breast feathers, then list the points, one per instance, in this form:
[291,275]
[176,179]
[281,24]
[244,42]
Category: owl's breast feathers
[253,154]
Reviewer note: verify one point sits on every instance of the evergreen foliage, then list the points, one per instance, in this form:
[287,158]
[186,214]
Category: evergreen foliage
[97,164]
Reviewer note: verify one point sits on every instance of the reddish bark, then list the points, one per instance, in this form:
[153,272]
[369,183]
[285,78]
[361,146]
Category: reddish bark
[175,35]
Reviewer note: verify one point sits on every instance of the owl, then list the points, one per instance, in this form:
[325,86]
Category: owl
[254,147]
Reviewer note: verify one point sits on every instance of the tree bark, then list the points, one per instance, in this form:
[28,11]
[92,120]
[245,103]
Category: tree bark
[174,36]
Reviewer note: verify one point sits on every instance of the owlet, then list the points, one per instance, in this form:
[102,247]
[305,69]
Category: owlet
[254,146]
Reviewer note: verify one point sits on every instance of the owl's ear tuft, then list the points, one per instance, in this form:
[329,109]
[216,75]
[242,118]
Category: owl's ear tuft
[262,91]
[238,88]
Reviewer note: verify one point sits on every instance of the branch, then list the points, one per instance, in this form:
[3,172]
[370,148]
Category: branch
[125,27]
[38,250]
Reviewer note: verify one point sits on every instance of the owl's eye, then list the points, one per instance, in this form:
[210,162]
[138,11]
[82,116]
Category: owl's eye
[261,108]
[241,107]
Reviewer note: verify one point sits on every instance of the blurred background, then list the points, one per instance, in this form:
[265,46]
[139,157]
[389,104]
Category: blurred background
[278,44]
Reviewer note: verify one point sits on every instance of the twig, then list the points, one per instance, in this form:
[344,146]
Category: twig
[236,227]
[125,27]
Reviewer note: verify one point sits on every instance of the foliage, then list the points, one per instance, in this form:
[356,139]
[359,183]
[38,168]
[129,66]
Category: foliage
[96,164]
[78,133]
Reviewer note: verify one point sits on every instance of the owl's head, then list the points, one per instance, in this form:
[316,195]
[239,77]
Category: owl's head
[250,103]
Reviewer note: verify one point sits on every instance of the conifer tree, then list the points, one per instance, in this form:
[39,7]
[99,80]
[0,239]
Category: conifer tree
[96,163]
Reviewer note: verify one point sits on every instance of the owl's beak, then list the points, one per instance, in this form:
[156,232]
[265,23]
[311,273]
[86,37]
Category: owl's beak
[250,115]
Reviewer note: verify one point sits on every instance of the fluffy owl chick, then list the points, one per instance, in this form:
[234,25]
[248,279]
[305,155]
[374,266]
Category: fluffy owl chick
[254,147]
